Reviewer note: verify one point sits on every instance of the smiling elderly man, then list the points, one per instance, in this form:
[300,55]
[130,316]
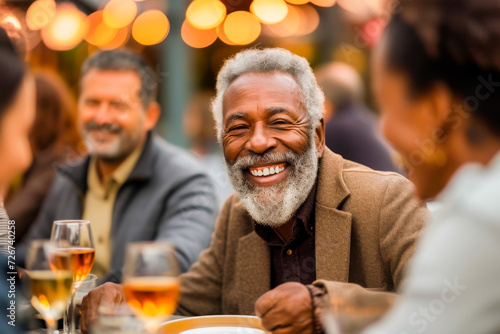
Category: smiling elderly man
[304,222]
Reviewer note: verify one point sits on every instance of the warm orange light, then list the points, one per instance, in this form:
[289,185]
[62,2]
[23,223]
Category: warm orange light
[269,11]
[242,27]
[197,38]
[222,35]
[66,29]
[206,14]
[323,3]
[121,37]
[287,27]
[40,13]
[99,33]
[297,2]
[151,27]
[353,6]
[309,20]
[119,13]
[11,20]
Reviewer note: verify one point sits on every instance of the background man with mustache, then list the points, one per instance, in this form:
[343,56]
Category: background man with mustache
[304,222]
[133,186]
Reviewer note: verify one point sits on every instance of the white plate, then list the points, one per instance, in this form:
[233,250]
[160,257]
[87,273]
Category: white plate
[224,330]
[214,324]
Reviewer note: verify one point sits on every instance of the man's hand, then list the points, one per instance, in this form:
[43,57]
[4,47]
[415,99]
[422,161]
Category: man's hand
[106,294]
[286,309]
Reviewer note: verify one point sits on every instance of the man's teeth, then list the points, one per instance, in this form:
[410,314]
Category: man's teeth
[267,171]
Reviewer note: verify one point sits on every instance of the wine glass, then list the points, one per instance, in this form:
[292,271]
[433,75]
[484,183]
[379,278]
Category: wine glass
[151,283]
[74,237]
[50,287]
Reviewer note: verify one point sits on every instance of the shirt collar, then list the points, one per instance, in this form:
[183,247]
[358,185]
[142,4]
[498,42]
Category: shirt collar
[118,177]
[304,216]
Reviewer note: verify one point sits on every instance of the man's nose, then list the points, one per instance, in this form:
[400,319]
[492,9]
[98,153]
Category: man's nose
[261,141]
[103,114]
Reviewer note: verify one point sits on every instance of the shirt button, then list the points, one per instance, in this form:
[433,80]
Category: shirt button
[100,240]
[289,252]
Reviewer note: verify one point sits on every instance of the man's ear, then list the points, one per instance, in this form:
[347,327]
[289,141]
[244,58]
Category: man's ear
[152,115]
[319,137]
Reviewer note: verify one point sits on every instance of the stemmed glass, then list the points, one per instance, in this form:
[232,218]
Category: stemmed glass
[74,237]
[50,287]
[151,283]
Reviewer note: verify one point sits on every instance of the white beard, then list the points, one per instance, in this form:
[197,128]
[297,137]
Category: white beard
[275,205]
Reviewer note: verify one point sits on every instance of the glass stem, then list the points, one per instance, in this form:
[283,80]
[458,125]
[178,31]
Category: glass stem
[69,317]
[51,326]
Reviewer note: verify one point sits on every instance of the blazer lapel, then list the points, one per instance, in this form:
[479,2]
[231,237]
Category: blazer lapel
[333,226]
[333,244]
[254,271]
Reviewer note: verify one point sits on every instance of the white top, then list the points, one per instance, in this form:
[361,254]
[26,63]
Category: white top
[453,282]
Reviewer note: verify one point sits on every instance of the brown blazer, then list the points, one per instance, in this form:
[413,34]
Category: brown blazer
[366,224]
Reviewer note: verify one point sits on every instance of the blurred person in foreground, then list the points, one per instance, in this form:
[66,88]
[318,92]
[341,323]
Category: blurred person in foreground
[54,141]
[304,222]
[437,81]
[199,127]
[17,113]
[351,130]
[133,185]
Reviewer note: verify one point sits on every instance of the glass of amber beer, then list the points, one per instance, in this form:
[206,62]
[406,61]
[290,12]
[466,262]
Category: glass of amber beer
[150,282]
[74,237]
[50,287]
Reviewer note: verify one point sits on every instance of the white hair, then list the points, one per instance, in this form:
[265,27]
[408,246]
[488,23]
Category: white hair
[264,61]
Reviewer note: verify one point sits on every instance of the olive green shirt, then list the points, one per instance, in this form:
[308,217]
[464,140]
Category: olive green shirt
[98,208]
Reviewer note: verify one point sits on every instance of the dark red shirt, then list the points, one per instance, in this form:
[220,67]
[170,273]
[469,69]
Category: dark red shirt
[293,260]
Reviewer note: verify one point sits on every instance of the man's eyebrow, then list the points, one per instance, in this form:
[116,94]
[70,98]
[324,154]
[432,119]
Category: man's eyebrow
[236,116]
[277,110]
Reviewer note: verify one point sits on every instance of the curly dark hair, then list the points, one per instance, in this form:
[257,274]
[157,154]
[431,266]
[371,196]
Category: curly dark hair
[456,42]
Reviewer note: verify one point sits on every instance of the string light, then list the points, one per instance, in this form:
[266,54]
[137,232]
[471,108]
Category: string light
[151,27]
[40,14]
[197,38]
[269,11]
[242,27]
[66,30]
[119,13]
[206,14]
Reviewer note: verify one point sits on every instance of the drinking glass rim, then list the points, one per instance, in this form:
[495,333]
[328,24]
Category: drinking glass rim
[71,221]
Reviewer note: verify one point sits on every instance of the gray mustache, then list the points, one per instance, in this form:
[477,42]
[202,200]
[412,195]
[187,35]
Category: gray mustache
[108,127]
[250,160]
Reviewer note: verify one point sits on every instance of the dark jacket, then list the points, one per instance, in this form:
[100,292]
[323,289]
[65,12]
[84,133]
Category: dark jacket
[167,197]
[352,132]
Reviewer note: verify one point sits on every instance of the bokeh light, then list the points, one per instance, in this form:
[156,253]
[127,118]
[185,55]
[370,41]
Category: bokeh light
[297,2]
[151,27]
[119,13]
[222,35]
[287,27]
[206,14]
[99,33]
[353,6]
[269,11]
[308,20]
[197,38]
[40,13]
[66,30]
[242,27]
[324,3]
[121,37]
[11,20]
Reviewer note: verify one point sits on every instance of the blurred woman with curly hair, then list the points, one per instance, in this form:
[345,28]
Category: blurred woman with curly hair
[437,81]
